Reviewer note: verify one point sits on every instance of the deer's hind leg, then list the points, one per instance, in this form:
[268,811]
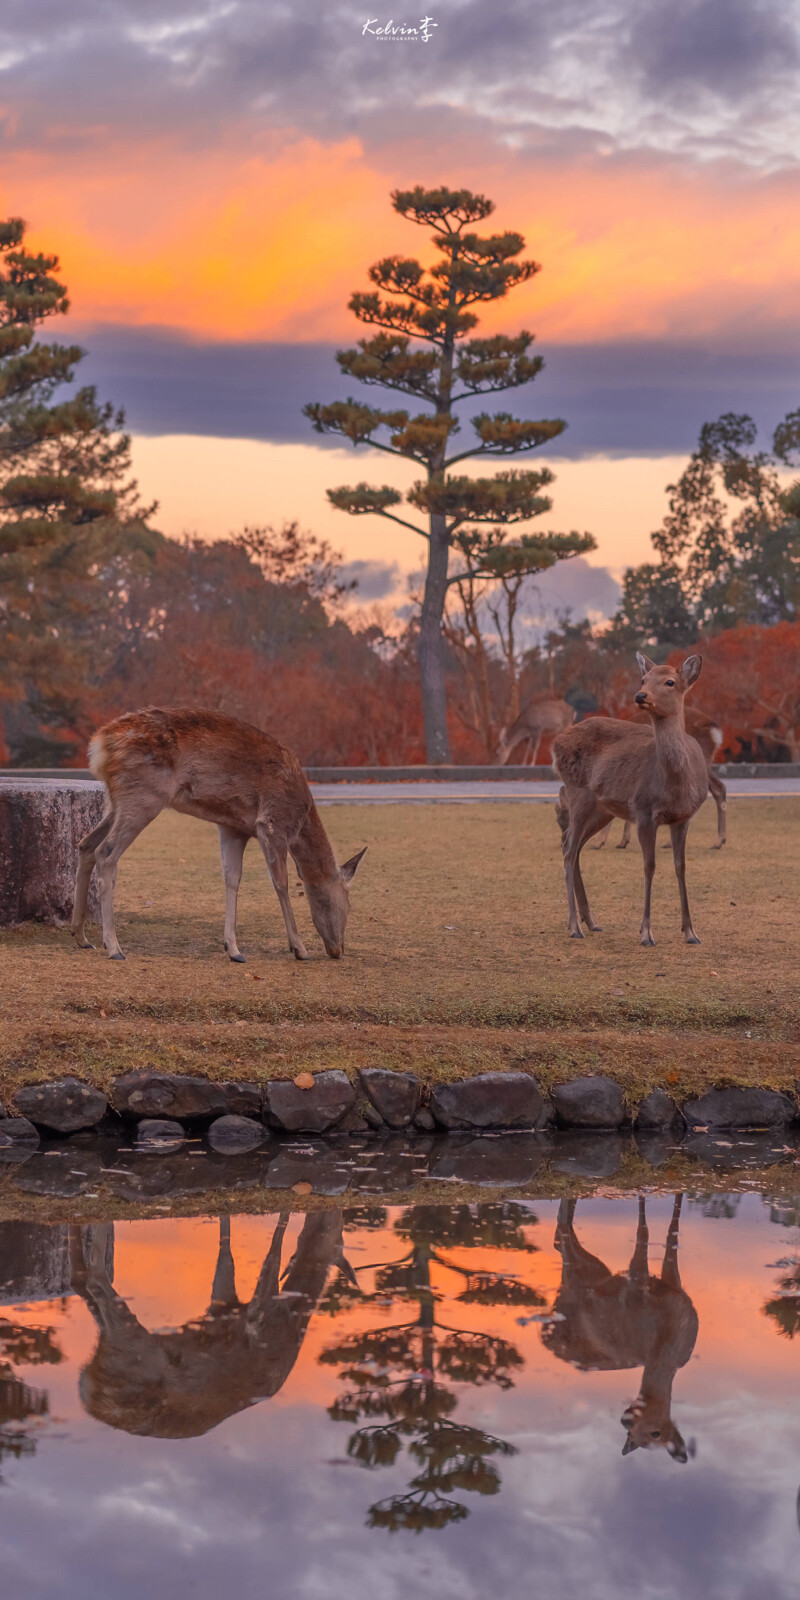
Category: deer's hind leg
[129,821]
[231,846]
[720,794]
[83,878]
[586,818]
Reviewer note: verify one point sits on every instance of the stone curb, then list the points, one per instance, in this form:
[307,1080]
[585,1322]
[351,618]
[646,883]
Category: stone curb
[327,1102]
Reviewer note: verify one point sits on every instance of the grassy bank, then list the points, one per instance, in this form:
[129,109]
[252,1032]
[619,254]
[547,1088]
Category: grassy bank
[457,959]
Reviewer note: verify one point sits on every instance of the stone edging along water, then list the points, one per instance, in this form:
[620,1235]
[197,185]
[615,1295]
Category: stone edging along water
[159,1109]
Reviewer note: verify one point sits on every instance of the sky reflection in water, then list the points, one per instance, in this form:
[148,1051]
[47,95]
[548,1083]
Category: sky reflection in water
[598,1398]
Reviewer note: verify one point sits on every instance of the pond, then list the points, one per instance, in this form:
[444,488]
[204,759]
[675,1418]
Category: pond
[594,1398]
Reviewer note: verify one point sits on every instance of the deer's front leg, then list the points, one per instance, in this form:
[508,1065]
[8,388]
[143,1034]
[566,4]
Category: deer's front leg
[231,846]
[678,832]
[647,839]
[275,856]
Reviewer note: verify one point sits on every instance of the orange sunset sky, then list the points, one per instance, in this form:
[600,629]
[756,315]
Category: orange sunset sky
[216,179]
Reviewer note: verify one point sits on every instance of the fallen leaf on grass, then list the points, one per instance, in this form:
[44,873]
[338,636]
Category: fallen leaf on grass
[618,991]
[304,1080]
[301,1188]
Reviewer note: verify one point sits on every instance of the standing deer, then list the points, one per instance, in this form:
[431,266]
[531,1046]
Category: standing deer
[536,719]
[223,771]
[647,776]
[612,1322]
[709,737]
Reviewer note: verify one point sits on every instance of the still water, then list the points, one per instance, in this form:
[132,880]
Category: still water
[597,1398]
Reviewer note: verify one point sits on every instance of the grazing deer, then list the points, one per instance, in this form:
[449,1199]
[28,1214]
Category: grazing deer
[611,1322]
[648,776]
[223,771]
[536,719]
[181,1383]
[709,737]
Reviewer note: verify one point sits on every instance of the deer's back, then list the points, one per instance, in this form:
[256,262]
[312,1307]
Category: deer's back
[203,763]
[581,752]
[622,1323]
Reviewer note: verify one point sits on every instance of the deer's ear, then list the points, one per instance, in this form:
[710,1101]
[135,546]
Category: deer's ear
[690,671]
[348,871]
[644,663]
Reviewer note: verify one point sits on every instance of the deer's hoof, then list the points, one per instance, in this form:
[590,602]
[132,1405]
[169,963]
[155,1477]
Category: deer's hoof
[301,954]
[691,938]
[117,956]
[83,944]
[575,933]
[242,960]
[647,939]
[718,845]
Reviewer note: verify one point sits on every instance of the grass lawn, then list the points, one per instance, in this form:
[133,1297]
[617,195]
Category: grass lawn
[458,959]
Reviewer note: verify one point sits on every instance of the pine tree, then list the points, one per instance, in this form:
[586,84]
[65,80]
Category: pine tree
[433,308]
[72,528]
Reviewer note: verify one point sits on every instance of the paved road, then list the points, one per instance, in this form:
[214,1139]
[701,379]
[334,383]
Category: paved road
[405,794]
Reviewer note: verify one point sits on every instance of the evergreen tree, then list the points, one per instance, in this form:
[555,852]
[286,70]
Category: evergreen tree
[72,529]
[416,308]
[728,548]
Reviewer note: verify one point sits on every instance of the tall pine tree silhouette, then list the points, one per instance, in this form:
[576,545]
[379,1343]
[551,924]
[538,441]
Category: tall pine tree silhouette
[416,308]
[72,528]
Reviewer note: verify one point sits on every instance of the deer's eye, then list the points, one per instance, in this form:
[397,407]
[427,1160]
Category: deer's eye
[656,1433]
[670,683]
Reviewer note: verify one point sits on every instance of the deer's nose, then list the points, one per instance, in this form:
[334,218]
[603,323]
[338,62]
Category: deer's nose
[641,697]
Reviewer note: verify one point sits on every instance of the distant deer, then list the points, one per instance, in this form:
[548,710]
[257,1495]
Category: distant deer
[708,734]
[611,1322]
[181,1383]
[648,776]
[223,771]
[536,719]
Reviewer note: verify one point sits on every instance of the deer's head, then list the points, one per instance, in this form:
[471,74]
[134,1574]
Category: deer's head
[329,904]
[650,1427]
[663,688]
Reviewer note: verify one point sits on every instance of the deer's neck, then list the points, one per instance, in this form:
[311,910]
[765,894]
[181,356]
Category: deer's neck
[672,743]
[312,851]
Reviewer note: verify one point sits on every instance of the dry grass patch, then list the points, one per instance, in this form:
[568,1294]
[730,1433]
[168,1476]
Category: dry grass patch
[457,958]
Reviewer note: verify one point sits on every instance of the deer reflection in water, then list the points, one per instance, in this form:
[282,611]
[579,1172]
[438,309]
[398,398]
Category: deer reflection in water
[609,1322]
[184,1382]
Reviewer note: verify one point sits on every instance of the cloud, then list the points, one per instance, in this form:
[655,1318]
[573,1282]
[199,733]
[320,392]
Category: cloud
[699,75]
[631,398]
[375,579]
[573,586]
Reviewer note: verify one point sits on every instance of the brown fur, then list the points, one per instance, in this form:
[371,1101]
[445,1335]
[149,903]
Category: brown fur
[648,776]
[612,1322]
[547,715]
[708,734]
[183,1382]
[222,771]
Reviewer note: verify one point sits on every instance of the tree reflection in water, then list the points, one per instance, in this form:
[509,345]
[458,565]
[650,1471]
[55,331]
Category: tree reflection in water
[22,1346]
[394,1375]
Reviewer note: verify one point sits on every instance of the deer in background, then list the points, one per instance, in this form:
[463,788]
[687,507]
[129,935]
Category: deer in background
[647,776]
[536,719]
[612,1322]
[226,772]
[708,734]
